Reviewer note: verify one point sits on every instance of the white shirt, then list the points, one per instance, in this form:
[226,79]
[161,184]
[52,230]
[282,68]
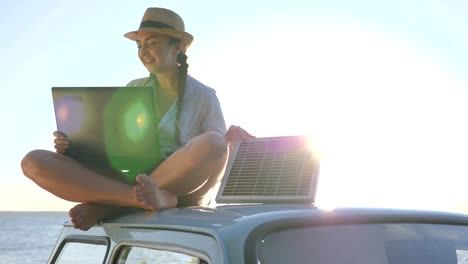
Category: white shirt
[201,112]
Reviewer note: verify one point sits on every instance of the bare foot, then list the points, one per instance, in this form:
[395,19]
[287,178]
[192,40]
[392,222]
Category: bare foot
[85,216]
[147,191]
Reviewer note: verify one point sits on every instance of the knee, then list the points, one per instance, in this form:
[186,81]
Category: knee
[33,163]
[211,145]
[215,142]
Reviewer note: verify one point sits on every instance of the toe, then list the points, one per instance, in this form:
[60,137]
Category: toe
[145,180]
[141,178]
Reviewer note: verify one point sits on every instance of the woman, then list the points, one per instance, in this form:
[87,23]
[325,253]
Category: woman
[193,137]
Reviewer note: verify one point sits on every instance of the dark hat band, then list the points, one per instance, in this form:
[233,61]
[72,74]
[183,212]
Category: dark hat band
[154,24]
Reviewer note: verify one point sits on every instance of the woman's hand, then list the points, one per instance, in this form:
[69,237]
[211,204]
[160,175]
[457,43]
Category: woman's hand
[61,142]
[236,134]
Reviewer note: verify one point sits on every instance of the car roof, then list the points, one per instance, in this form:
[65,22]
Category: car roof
[223,219]
[237,228]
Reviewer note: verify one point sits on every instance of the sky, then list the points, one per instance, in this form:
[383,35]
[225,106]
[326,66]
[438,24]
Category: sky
[379,86]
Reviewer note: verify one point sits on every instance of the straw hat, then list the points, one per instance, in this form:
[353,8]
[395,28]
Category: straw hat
[163,21]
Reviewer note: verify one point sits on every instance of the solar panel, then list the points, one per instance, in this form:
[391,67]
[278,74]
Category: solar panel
[270,170]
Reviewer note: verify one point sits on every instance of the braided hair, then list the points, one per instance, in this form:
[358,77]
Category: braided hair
[183,66]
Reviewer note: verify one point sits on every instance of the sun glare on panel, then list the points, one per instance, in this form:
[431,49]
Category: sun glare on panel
[313,145]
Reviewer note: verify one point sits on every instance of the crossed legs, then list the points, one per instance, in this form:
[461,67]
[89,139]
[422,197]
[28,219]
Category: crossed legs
[185,178]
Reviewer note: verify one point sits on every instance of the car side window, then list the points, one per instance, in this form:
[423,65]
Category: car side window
[138,255]
[462,256]
[81,252]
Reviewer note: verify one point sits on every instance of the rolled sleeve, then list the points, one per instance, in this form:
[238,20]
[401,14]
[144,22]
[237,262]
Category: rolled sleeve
[201,111]
[213,119]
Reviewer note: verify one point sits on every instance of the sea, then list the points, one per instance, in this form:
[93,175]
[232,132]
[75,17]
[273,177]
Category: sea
[29,237]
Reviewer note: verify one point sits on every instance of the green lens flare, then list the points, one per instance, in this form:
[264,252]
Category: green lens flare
[130,129]
[136,122]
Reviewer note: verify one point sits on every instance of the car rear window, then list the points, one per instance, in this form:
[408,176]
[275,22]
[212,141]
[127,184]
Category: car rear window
[401,243]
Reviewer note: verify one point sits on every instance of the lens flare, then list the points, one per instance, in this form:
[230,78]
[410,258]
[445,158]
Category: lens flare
[62,113]
[140,120]
[313,146]
[70,115]
[131,133]
[134,122]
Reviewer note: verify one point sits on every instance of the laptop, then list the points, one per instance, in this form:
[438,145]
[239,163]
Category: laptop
[110,127]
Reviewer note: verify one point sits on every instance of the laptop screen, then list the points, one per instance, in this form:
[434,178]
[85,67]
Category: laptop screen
[114,127]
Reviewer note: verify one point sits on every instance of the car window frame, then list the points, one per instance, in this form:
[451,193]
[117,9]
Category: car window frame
[85,239]
[157,246]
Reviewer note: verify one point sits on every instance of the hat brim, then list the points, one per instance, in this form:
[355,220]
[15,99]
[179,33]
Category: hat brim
[185,37]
